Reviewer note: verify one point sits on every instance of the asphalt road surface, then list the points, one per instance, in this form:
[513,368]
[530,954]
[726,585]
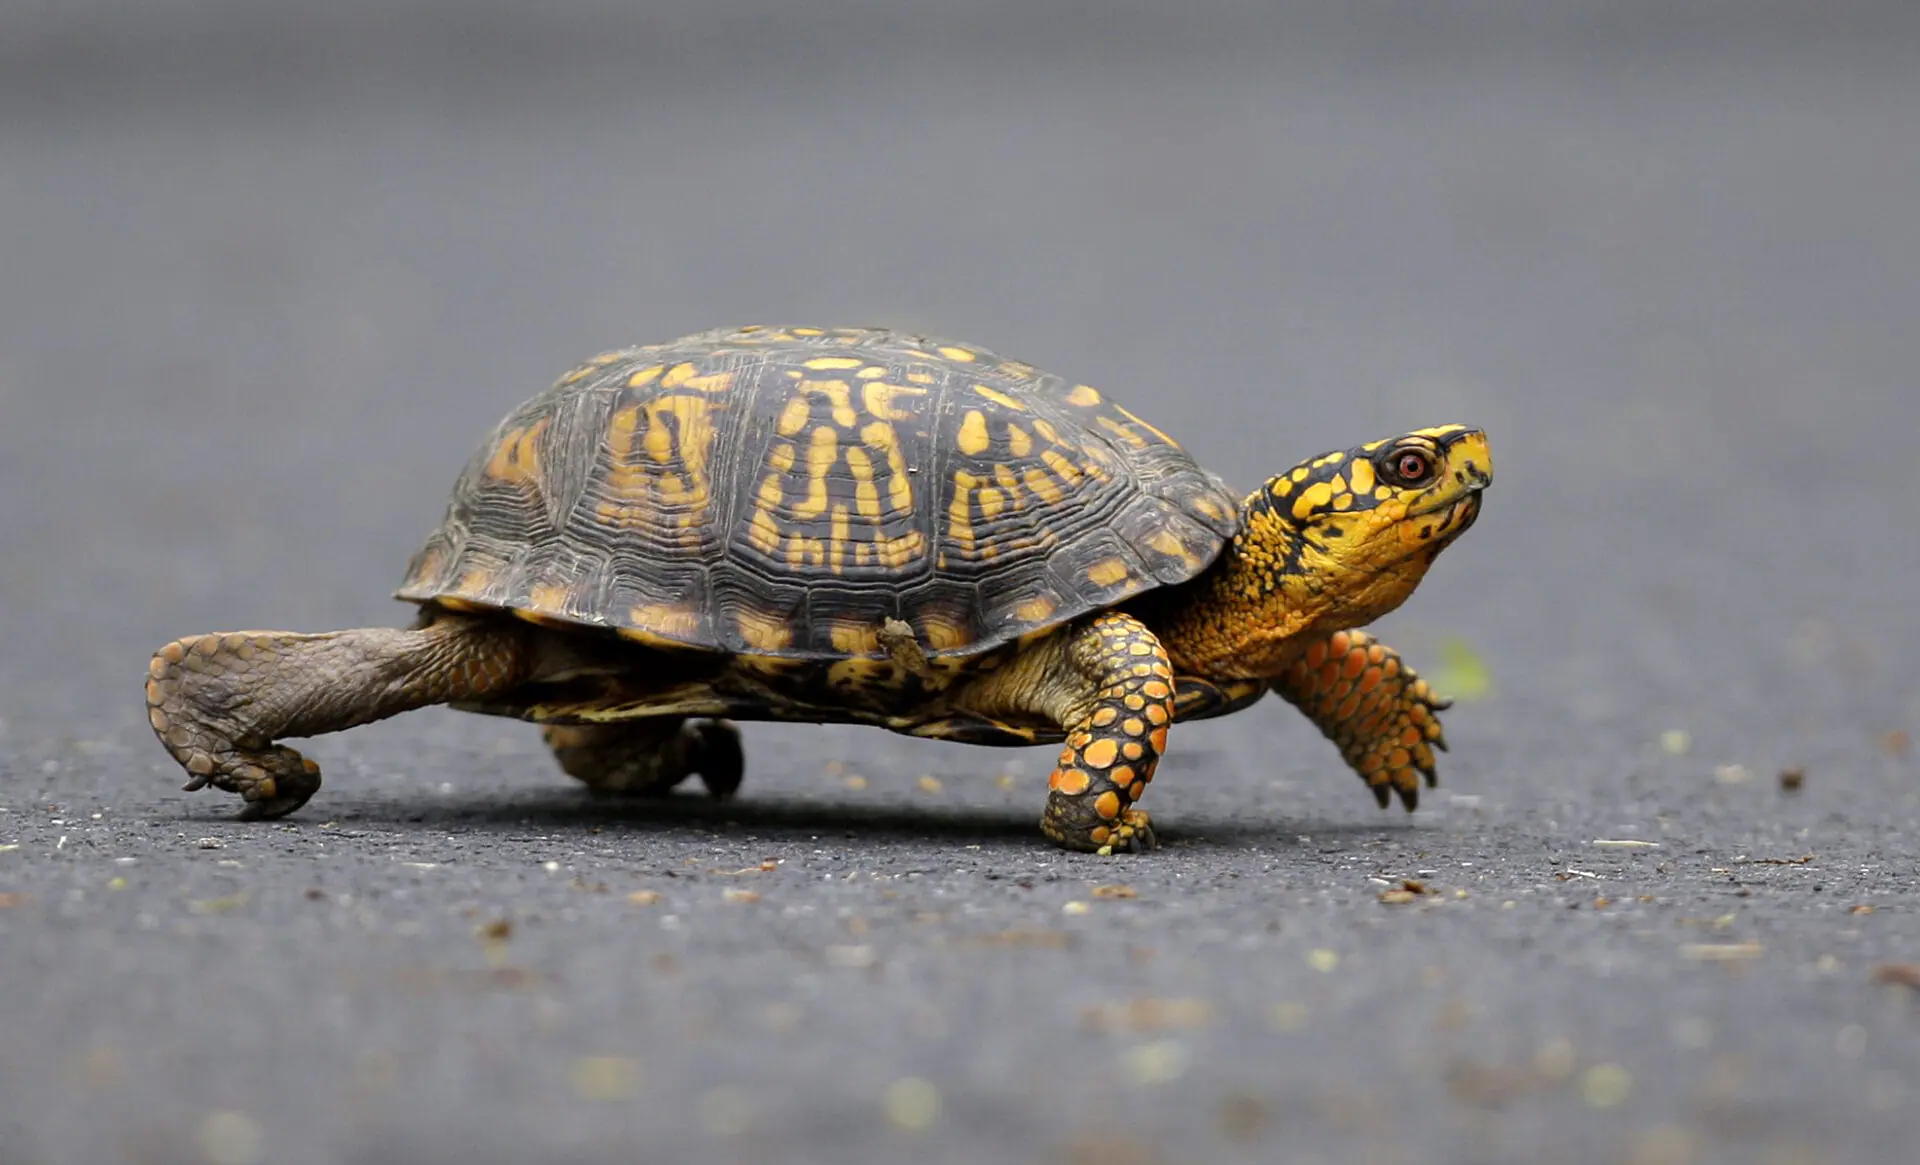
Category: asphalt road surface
[264,283]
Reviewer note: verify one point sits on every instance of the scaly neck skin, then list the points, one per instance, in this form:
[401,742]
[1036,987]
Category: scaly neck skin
[1275,591]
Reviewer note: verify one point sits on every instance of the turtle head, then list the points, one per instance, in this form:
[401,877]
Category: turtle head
[1346,536]
[1332,544]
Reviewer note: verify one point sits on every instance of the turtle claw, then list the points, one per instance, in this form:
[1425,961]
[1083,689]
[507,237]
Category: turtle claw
[1134,835]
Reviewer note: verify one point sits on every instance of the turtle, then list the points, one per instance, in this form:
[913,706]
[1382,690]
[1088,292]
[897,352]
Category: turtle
[871,526]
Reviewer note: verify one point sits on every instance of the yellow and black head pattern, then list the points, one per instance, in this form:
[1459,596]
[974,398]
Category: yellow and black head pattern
[1359,527]
[788,492]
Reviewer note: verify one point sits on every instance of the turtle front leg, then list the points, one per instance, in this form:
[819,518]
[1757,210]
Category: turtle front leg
[1109,686]
[1376,710]
[218,702]
[647,758]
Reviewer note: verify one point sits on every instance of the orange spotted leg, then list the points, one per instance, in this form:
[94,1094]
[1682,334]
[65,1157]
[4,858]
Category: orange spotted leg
[1115,740]
[647,758]
[1372,706]
[219,702]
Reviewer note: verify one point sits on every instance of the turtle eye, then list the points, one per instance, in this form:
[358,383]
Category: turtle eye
[1412,466]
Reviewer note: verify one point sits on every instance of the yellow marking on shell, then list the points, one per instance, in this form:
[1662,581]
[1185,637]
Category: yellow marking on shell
[1107,572]
[455,603]
[629,502]
[1043,486]
[771,495]
[763,533]
[838,539]
[606,358]
[833,363]
[973,438]
[847,674]
[1168,543]
[1312,498]
[805,551]
[694,417]
[807,331]
[878,399]
[1209,507]
[579,374]
[822,454]
[1149,426]
[1038,609]
[659,440]
[780,457]
[881,436]
[1057,461]
[762,631]
[896,553]
[516,461]
[866,496]
[992,501]
[1018,440]
[1046,430]
[793,418]
[837,392]
[1001,398]
[922,377]
[683,375]
[427,567]
[1083,395]
[960,512]
[942,633]
[645,376]
[1121,432]
[871,372]
[474,582]
[665,620]
[958,354]
[548,598]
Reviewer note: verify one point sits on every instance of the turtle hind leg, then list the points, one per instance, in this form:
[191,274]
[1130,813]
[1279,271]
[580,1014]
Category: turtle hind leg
[218,702]
[647,758]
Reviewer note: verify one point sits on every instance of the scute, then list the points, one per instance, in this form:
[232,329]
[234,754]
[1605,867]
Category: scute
[783,491]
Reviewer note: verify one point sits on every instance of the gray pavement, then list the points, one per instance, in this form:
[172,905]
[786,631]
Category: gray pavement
[264,282]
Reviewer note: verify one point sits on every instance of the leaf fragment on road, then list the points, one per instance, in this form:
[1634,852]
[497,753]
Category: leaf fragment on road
[1462,674]
[1721,952]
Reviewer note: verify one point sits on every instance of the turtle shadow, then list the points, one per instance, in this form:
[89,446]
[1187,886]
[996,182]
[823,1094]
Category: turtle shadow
[800,819]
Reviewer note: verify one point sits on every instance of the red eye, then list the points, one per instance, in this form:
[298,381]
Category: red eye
[1412,466]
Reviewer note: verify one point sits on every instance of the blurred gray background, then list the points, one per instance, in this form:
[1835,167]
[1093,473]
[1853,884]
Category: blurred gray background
[268,271]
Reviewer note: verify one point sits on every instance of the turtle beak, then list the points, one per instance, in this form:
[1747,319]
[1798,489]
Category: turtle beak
[1470,459]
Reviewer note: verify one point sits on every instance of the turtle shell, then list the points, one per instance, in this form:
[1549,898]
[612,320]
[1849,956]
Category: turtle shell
[787,491]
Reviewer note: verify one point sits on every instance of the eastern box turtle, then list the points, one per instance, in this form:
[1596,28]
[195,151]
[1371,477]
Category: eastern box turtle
[862,526]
